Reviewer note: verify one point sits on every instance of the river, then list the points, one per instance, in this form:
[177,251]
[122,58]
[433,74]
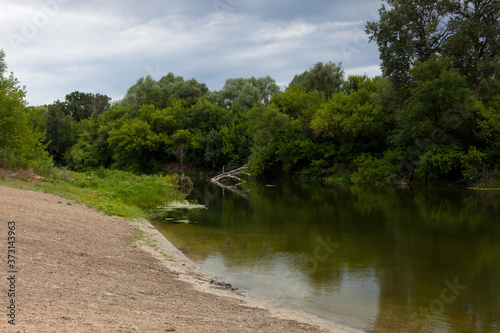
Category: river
[377,259]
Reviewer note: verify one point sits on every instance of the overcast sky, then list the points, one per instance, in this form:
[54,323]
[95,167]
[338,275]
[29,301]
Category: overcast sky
[55,47]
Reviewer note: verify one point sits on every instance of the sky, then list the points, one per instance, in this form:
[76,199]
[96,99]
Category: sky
[55,47]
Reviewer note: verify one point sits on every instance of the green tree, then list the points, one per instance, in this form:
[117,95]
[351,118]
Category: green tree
[135,147]
[174,87]
[465,30]
[206,116]
[474,43]
[78,105]
[175,117]
[354,122]
[182,140]
[267,88]
[21,143]
[164,92]
[298,103]
[295,149]
[326,78]
[213,157]
[91,148]
[408,31]
[100,104]
[353,82]
[145,91]
[266,126]
[37,116]
[441,108]
[245,92]
[60,132]
[63,118]
[298,145]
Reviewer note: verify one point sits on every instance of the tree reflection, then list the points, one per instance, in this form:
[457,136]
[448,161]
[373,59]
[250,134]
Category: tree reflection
[410,240]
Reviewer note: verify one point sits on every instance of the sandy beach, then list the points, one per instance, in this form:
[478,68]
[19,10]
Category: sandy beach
[79,270]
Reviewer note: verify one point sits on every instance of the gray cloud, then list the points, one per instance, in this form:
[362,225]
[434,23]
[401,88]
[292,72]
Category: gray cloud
[55,47]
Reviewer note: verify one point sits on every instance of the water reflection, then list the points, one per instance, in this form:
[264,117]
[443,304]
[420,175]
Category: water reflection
[384,260]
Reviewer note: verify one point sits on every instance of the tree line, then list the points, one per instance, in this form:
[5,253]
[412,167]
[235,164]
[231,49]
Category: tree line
[434,114]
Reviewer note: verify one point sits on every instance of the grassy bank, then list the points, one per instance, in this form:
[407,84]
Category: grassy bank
[114,192]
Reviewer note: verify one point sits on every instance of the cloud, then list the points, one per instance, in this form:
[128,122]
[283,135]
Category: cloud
[275,32]
[55,47]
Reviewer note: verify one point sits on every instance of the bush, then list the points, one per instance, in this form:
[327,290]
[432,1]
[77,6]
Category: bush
[472,164]
[375,170]
[445,162]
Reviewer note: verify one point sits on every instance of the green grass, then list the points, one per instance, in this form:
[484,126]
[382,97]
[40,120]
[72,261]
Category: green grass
[114,192]
[139,235]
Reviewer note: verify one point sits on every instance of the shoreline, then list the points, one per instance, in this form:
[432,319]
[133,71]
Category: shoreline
[78,273]
[192,273]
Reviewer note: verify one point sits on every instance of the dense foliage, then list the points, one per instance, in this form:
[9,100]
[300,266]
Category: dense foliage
[433,116]
[442,131]
[21,141]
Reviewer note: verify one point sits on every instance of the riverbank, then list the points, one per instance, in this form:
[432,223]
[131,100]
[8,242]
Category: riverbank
[80,270]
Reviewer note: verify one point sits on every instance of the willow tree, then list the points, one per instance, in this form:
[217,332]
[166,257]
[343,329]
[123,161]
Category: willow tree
[245,92]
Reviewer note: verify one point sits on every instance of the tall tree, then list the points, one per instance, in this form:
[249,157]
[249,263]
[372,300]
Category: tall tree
[474,44]
[79,105]
[62,119]
[327,78]
[408,31]
[467,31]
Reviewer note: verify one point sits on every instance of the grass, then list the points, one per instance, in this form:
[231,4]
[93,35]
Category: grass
[139,235]
[114,192]
[139,238]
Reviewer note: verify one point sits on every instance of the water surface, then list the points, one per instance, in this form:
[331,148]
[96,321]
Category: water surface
[379,259]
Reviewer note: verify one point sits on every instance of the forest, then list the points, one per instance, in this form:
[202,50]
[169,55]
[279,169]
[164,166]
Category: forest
[432,116]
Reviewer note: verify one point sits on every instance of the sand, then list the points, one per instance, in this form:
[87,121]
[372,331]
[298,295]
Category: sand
[79,270]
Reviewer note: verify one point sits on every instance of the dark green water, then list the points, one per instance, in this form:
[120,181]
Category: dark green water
[382,260]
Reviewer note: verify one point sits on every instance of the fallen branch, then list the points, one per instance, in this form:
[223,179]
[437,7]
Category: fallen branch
[233,175]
